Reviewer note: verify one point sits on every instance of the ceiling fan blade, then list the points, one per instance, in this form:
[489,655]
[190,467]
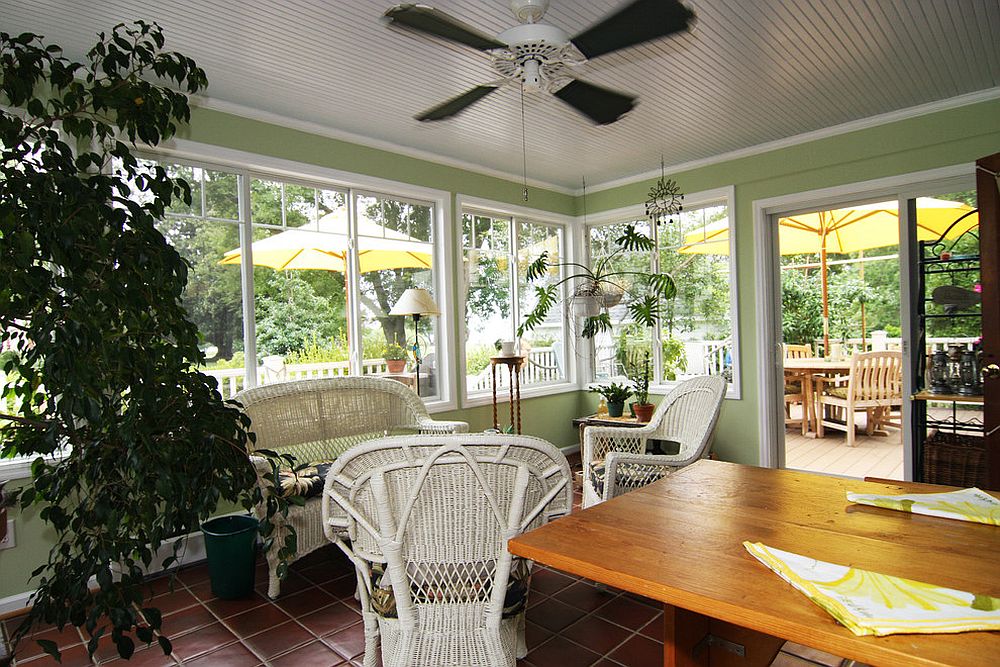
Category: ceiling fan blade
[601,105]
[435,22]
[638,21]
[456,104]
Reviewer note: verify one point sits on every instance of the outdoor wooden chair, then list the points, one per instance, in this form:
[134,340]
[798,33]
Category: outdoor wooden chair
[796,387]
[875,385]
[426,520]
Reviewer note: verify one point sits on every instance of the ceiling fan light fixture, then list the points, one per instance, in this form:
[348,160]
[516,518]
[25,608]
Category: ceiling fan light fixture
[529,11]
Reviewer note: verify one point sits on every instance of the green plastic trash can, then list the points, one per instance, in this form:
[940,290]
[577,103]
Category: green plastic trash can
[231,545]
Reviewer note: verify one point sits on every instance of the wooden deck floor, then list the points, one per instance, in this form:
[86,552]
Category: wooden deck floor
[872,456]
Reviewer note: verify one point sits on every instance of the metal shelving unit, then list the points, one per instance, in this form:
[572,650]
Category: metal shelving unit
[935,258]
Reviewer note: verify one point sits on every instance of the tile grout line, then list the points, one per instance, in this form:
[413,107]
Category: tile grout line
[239,638]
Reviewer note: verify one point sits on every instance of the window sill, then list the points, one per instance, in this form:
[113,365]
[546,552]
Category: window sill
[532,391]
[20,467]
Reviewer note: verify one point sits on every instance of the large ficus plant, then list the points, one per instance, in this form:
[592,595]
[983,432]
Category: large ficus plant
[641,293]
[132,444]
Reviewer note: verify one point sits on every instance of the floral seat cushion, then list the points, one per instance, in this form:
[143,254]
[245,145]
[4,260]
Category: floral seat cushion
[599,472]
[307,481]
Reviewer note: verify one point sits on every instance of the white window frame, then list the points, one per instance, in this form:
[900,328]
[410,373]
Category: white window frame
[474,205]
[725,196]
[251,165]
[767,301]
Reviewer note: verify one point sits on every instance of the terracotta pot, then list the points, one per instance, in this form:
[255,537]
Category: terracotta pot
[643,411]
[396,365]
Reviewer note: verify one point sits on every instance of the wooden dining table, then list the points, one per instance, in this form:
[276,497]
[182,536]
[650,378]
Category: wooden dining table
[680,541]
[804,369]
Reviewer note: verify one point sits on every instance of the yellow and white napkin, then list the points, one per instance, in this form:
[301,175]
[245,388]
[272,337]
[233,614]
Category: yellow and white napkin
[869,603]
[966,505]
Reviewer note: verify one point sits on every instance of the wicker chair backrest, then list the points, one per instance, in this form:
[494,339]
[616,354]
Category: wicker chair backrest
[350,478]
[689,412]
[291,416]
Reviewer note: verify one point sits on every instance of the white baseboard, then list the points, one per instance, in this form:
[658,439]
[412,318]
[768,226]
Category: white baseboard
[193,551]
[570,449]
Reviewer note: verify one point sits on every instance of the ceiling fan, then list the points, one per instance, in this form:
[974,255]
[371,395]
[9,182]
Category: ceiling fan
[538,56]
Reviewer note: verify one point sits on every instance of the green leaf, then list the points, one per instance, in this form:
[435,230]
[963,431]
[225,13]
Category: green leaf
[633,241]
[646,310]
[663,285]
[546,298]
[596,324]
[49,647]
[538,268]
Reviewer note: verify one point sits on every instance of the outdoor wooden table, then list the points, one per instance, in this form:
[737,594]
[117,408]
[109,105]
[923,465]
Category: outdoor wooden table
[680,541]
[808,367]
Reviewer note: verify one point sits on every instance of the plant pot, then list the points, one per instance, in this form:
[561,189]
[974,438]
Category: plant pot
[631,408]
[584,305]
[643,411]
[616,409]
[610,295]
[396,365]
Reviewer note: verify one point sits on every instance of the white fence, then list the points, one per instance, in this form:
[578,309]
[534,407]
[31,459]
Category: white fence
[231,380]
[543,365]
[704,357]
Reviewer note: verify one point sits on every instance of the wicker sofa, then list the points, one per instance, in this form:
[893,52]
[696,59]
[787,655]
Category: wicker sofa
[317,420]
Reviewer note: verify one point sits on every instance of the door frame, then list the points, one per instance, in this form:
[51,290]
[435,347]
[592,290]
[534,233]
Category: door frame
[767,287]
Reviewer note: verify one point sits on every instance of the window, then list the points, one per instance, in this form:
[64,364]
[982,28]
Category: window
[395,253]
[202,233]
[695,329]
[496,251]
[322,283]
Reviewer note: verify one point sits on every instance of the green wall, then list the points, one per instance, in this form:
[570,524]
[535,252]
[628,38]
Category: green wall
[945,138]
[940,139]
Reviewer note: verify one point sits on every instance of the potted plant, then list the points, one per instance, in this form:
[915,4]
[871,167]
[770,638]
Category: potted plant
[600,288]
[639,376]
[132,444]
[395,357]
[616,395]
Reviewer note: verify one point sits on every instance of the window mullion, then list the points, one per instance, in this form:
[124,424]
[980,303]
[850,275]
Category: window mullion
[246,279]
[515,306]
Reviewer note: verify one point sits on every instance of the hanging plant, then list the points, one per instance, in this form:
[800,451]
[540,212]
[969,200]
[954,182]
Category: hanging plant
[605,288]
[132,445]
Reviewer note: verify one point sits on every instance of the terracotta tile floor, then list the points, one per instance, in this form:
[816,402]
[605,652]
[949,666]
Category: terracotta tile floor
[316,623]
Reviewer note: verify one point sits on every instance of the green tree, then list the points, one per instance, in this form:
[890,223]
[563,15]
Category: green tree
[104,358]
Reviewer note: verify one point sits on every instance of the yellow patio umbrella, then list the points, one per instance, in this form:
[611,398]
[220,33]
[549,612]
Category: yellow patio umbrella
[323,247]
[844,230]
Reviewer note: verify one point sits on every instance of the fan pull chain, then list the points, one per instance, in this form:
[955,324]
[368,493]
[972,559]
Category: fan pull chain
[524,152]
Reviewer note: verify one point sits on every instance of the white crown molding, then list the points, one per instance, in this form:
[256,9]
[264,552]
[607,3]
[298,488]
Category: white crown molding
[369,142]
[824,133]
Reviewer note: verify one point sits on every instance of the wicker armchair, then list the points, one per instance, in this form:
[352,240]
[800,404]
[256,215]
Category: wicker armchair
[615,459]
[316,421]
[426,520]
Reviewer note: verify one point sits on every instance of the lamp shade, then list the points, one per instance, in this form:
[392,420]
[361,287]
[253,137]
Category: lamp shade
[415,301]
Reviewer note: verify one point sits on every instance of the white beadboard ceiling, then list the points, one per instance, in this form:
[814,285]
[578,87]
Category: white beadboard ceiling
[750,72]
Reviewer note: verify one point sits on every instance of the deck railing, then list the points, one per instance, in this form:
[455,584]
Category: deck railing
[232,380]
[543,365]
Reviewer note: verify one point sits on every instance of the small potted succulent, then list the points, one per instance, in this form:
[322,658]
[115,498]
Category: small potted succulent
[639,376]
[616,395]
[395,357]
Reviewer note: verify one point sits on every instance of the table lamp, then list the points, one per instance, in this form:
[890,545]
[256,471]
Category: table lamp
[416,301]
